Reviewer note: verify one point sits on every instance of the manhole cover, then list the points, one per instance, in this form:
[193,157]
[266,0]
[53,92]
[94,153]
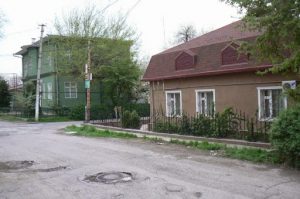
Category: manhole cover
[14,165]
[110,177]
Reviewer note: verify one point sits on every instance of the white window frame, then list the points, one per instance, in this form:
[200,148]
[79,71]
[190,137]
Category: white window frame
[259,89]
[204,91]
[167,109]
[49,91]
[70,90]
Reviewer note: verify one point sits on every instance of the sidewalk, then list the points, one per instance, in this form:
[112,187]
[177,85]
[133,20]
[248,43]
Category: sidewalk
[168,137]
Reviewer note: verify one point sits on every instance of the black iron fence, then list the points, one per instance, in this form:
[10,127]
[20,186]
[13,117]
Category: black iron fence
[228,124]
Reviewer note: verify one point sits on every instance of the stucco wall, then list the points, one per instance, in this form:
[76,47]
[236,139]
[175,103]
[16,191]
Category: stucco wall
[232,90]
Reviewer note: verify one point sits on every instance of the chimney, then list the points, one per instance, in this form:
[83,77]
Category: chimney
[32,40]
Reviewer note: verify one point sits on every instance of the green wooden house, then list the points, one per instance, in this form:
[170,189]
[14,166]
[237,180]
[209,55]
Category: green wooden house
[58,89]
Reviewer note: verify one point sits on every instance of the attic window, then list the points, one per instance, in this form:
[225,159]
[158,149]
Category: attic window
[185,60]
[230,55]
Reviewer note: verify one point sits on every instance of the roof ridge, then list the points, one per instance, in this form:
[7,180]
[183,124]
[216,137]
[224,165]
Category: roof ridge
[205,39]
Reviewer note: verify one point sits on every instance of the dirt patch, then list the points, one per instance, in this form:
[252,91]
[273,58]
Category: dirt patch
[15,165]
[110,177]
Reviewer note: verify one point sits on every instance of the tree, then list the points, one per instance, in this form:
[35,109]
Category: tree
[279,23]
[185,33]
[5,95]
[110,41]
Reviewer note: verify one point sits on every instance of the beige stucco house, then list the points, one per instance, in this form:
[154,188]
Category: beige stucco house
[208,74]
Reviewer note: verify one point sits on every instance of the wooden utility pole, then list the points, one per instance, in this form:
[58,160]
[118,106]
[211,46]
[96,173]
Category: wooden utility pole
[38,76]
[87,85]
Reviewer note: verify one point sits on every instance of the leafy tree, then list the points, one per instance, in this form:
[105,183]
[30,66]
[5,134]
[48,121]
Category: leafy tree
[5,95]
[280,39]
[108,41]
[185,33]
[27,99]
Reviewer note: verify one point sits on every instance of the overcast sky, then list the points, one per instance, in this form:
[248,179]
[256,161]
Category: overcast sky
[155,20]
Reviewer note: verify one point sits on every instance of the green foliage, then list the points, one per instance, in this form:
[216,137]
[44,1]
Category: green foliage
[199,145]
[4,93]
[220,125]
[143,109]
[91,131]
[280,26]
[202,126]
[252,154]
[120,78]
[130,120]
[77,112]
[285,135]
[166,126]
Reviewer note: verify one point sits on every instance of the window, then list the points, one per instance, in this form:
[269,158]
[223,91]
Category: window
[70,90]
[173,103]
[49,87]
[205,102]
[44,91]
[270,102]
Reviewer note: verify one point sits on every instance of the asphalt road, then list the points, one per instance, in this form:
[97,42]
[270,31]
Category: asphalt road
[62,162]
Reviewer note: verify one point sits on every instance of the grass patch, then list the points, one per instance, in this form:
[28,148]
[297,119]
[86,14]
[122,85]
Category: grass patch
[253,155]
[52,119]
[250,154]
[11,118]
[90,131]
[153,139]
[199,145]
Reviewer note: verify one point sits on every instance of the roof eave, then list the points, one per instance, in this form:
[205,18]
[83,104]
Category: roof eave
[209,73]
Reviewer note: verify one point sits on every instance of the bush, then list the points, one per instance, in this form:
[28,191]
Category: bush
[202,126]
[77,112]
[130,120]
[285,136]
[166,127]
[143,110]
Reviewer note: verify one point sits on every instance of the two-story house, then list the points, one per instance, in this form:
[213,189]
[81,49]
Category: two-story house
[58,89]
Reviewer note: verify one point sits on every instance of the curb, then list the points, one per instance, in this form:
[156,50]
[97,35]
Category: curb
[168,136]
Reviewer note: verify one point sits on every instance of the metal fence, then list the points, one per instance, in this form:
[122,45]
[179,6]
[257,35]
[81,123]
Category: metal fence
[228,124]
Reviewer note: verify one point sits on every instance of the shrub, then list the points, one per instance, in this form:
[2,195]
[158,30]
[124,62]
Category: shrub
[143,109]
[202,126]
[285,136]
[77,112]
[169,126]
[130,120]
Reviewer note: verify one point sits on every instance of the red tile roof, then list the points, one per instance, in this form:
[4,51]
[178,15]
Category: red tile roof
[208,49]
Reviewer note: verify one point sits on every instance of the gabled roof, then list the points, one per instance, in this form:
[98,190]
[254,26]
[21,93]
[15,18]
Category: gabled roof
[207,47]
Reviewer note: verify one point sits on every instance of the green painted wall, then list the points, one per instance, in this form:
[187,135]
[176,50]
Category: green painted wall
[64,101]
[48,95]
[30,60]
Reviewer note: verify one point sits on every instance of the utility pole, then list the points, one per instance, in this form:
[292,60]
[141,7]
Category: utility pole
[38,76]
[87,84]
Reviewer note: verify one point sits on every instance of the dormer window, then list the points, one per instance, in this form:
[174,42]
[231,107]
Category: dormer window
[185,60]
[230,55]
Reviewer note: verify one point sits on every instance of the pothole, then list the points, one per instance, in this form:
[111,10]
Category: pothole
[173,188]
[51,169]
[110,177]
[15,165]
